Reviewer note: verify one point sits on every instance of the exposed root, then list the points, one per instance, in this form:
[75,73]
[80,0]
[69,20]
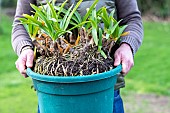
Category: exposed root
[62,58]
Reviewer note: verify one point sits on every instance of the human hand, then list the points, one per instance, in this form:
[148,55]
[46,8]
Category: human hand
[124,56]
[25,60]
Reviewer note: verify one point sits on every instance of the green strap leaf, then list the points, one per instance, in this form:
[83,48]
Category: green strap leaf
[112,13]
[115,26]
[100,39]
[100,44]
[79,25]
[103,54]
[54,14]
[121,29]
[71,14]
[90,10]
[76,17]
[32,19]
[43,16]
[94,32]
[105,14]
[62,7]
[64,22]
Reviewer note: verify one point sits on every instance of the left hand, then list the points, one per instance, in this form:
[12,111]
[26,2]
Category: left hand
[124,56]
[25,60]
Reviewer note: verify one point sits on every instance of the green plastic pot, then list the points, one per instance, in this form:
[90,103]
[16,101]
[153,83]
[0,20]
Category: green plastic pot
[79,94]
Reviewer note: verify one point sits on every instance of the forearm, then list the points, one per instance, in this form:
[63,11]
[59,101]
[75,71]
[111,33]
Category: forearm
[20,37]
[128,11]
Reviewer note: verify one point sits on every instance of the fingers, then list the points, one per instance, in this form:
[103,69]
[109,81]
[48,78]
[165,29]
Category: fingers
[29,61]
[117,59]
[25,60]
[20,65]
[124,68]
[124,56]
[126,65]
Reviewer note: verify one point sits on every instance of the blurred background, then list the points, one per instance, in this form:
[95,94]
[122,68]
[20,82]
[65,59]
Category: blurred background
[147,85]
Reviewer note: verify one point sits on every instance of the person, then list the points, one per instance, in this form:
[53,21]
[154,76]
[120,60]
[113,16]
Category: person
[125,9]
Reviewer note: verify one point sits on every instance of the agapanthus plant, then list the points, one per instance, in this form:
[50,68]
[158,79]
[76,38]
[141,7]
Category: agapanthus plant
[68,44]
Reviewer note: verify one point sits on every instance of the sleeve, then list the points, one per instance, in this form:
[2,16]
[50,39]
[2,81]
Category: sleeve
[129,12]
[20,37]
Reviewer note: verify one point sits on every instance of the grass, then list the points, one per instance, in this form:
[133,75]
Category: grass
[149,75]
[7,55]
[16,94]
[151,71]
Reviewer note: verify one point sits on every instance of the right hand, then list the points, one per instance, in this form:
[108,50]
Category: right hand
[124,56]
[25,60]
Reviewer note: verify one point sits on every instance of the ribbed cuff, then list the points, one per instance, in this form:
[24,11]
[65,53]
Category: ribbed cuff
[134,44]
[21,45]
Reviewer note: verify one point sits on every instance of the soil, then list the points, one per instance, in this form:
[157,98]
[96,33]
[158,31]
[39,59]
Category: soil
[146,103]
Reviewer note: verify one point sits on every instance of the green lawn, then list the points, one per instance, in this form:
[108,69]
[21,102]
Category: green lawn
[151,72]
[149,75]
[16,95]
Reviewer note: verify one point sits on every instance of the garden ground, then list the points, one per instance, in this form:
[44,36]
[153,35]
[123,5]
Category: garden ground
[146,103]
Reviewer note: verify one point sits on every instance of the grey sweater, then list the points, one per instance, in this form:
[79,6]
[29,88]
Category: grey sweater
[125,9]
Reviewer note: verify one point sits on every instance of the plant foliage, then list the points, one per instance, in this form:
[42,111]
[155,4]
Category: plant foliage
[54,28]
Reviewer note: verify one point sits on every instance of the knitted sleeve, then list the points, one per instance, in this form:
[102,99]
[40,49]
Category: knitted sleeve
[126,10]
[129,12]
[20,37]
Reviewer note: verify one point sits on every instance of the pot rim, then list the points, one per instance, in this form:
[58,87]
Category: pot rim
[74,79]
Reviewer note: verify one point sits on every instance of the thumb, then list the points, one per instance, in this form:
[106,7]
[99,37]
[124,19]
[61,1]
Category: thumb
[117,60]
[29,62]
